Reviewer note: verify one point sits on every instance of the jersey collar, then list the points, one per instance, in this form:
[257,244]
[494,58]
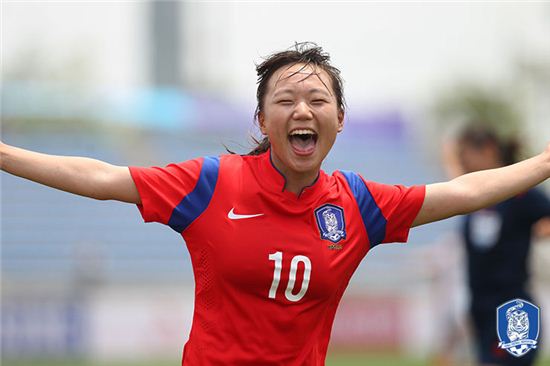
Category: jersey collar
[277,181]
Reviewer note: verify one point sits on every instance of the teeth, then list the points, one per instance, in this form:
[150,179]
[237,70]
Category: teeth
[302,132]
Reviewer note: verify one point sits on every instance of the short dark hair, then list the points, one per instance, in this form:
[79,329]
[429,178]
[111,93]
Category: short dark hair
[307,53]
[478,135]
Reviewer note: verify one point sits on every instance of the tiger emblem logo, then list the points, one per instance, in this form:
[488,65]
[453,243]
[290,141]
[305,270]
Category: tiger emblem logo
[518,323]
[331,223]
[518,326]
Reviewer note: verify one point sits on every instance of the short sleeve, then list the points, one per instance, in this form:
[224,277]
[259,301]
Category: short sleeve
[176,194]
[387,211]
[399,205]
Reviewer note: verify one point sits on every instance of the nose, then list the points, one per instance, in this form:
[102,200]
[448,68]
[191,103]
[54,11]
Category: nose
[302,111]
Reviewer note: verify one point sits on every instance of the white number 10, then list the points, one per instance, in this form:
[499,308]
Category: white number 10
[278,258]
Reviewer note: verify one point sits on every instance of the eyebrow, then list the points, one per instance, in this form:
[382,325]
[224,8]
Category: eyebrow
[310,91]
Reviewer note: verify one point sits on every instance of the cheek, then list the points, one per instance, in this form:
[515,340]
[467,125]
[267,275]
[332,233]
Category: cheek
[275,131]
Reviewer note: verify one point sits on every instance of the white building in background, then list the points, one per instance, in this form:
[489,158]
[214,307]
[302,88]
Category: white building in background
[397,52]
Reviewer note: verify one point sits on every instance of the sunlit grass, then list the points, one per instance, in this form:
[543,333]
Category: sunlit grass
[333,360]
[338,359]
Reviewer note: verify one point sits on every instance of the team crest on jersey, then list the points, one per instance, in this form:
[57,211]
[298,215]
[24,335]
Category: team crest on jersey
[518,326]
[331,223]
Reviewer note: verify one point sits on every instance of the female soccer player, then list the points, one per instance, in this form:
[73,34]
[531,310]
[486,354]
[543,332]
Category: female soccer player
[273,239]
[498,241]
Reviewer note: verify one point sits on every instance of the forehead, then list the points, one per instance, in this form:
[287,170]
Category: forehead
[299,75]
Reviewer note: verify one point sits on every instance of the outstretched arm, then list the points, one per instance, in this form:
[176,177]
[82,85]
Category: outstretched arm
[473,191]
[83,176]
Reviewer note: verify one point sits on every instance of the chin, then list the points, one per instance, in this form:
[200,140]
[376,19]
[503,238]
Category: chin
[305,164]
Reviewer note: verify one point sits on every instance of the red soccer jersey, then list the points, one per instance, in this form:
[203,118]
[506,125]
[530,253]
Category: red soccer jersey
[270,267]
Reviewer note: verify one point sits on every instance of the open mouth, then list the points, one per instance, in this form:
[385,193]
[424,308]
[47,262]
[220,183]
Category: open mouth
[303,141]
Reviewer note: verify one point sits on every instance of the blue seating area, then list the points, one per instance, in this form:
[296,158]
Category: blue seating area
[53,235]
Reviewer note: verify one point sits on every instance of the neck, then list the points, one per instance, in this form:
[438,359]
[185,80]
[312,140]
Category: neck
[295,182]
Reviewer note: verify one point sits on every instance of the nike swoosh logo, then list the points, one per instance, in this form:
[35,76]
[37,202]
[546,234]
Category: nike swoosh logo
[233,216]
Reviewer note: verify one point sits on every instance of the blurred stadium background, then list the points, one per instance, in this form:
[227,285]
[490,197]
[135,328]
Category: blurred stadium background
[147,83]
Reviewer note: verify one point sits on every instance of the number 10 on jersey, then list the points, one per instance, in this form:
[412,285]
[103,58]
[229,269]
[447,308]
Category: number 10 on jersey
[278,258]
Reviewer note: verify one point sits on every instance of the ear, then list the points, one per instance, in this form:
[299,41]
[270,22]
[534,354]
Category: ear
[340,120]
[261,122]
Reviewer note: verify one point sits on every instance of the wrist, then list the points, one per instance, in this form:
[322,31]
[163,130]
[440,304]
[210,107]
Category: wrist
[3,148]
[545,157]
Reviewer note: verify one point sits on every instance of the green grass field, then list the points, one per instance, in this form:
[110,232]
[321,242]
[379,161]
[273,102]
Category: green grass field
[339,360]
[333,360]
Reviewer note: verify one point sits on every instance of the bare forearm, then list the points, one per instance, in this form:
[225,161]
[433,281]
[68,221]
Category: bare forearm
[481,189]
[78,175]
[488,187]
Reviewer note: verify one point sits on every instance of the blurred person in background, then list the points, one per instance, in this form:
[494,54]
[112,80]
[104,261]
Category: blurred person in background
[497,239]
[274,240]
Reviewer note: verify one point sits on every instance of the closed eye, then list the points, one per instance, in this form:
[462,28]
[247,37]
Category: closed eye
[319,101]
[285,101]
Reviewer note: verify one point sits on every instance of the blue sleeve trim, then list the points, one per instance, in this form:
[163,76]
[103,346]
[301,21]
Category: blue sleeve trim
[374,221]
[194,204]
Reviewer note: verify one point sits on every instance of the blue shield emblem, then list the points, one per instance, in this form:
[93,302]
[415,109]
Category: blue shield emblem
[518,326]
[331,223]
